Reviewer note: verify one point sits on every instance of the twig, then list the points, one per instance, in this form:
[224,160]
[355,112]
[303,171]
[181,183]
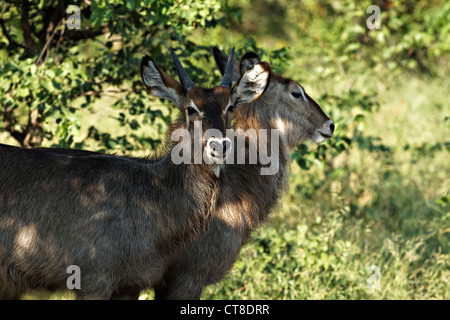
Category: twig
[105,92]
[86,34]
[39,61]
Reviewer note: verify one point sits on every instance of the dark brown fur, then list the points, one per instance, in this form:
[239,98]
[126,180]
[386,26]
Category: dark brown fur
[118,219]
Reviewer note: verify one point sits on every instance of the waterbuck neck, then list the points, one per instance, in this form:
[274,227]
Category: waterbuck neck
[246,190]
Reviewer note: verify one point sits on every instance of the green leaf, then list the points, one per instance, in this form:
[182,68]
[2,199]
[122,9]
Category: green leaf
[130,4]
[23,92]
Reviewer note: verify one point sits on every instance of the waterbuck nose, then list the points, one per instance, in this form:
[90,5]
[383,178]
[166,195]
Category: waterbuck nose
[218,147]
[215,145]
[329,125]
[332,127]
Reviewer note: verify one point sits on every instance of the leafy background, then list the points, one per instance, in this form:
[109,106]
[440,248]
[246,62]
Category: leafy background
[377,193]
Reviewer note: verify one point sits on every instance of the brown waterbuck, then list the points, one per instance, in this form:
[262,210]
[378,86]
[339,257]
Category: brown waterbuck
[246,197]
[118,220]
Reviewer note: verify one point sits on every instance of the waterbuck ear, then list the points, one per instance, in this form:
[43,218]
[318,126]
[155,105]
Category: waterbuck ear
[221,61]
[252,84]
[248,61]
[159,83]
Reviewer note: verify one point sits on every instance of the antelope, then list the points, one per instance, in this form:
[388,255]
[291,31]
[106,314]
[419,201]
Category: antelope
[119,219]
[246,197]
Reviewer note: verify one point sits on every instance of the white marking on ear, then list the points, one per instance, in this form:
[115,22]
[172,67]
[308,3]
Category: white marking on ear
[251,85]
[153,80]
[151,75]
[192,104]
[259,77]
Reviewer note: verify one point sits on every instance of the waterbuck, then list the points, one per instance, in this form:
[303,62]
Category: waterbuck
[246,197]
[118,220]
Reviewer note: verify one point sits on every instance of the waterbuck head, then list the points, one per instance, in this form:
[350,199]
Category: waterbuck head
[295,112]
[205,112]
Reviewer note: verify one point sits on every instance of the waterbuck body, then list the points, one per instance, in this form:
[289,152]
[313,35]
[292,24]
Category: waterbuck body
[119,220]
[246,197]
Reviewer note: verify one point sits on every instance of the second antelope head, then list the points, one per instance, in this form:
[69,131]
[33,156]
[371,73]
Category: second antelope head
[205,112]
[284,101]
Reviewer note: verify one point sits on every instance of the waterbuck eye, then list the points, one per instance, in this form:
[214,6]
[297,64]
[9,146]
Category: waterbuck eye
[296,95]
[191,110]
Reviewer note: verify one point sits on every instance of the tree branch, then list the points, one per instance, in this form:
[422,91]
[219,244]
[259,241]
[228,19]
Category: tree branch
[40,60]
[110,93]
[35,134]
[73,35]
[25,25]
[50,17]
[90,33]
